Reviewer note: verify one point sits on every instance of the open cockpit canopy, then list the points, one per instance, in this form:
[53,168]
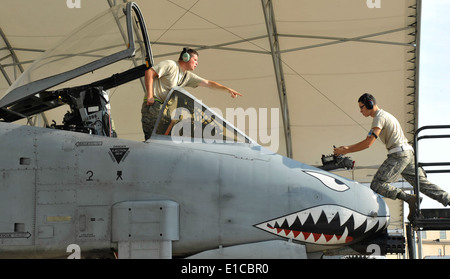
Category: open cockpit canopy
[117,36]
[185,119]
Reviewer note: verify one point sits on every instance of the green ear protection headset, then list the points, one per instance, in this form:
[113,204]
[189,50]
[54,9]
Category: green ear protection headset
[185,56]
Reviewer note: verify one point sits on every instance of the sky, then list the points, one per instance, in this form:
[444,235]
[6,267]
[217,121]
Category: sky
[434,88]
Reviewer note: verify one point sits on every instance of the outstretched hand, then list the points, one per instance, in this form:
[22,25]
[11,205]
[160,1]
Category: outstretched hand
[234,93]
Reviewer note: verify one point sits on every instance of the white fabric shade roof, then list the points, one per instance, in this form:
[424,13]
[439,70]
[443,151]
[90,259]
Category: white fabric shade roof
[310,59]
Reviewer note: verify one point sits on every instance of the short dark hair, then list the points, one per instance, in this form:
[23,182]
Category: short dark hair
[367,97]
[188,50]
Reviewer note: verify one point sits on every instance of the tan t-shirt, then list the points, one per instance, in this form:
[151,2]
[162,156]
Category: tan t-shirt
[170,75]
[391,132]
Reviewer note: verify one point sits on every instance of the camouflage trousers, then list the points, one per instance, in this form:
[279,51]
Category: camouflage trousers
[149,116]
[402,163]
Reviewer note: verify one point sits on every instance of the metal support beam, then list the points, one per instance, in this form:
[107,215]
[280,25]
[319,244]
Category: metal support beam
[13,56]
[11,50]
[217,47]
[338,40]
[5,74]
[279,74]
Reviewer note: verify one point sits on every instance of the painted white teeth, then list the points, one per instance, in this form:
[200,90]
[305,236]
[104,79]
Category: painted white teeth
[359,220]
[383,223]
[316,215]
[291,219]
[344,216]
[371,222]
[330,212]
[302,216]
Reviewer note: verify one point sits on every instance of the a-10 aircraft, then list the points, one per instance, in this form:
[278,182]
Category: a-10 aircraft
[197,188]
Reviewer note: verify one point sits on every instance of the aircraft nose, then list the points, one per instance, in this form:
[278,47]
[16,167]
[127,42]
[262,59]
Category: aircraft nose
[325,225]
[354,194]
[343,213]
[381,210]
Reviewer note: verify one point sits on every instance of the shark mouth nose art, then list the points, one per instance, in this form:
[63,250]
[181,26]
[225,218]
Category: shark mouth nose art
[325,225]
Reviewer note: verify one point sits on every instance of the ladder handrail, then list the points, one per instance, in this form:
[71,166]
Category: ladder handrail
[426,223]
[416,162]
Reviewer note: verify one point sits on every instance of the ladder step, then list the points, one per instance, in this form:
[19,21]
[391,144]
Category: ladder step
[435,213]
[433,219]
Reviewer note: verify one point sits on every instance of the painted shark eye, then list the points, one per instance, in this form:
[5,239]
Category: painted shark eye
[329,181]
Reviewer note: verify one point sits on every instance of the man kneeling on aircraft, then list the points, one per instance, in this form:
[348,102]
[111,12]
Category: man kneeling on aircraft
[400,158]
[161,78]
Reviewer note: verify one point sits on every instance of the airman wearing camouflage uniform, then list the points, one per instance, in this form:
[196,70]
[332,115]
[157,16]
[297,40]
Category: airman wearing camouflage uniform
[400,160]
[161,78]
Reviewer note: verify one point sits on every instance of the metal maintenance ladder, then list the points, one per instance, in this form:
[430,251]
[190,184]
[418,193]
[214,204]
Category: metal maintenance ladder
[427,219]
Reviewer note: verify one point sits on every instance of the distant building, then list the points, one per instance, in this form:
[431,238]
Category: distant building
[435,244]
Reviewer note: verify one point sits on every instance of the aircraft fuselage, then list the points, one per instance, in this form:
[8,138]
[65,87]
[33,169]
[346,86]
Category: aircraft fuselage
[60,188]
